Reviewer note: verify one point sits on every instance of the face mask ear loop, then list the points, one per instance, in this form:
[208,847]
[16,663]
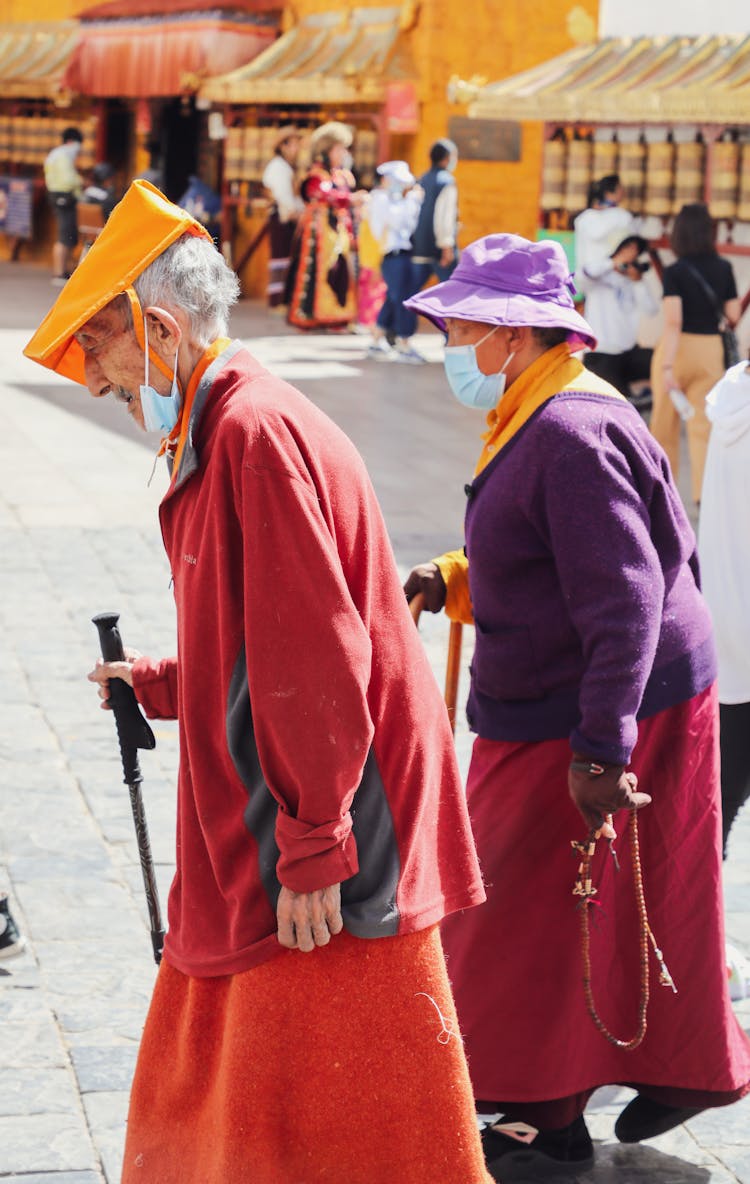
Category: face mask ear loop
[486,336]
[145,334]
[507,362]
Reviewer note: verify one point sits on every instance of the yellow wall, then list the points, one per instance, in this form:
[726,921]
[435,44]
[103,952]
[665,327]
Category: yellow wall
[38,10]
[493,39]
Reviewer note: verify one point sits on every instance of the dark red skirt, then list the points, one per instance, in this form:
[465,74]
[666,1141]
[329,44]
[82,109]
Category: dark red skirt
[334,1066]
[515,962]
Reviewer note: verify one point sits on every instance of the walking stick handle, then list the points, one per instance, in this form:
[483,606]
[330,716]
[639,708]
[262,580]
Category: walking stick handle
[132,729]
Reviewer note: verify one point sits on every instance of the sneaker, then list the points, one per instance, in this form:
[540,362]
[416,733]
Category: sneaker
[380,350]
[410,356]
[643,1118]
[11,941]
[511,1145]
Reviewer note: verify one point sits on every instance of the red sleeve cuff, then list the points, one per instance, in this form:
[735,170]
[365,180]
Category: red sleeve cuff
[155,686]
[314,857]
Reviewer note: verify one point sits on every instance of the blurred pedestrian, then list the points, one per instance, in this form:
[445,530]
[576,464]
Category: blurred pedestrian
[700,296]
[593,656]
[64,184]
[204,203]
[434,242]
[323,831]
[392,213]
[725,564]
[321,285]
[610,274]
[279,178]
[102,191]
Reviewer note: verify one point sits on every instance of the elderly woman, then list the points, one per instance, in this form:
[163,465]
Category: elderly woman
[321,285]
[594,656]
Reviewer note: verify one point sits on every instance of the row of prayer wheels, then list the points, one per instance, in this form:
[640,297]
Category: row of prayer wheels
[247,151]
[658,178]
[26,139]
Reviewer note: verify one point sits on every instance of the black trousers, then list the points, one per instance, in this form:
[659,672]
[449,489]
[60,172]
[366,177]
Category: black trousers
[634,365]
[734,742]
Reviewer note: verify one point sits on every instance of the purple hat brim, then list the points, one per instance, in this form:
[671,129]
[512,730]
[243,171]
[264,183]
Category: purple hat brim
[472,302]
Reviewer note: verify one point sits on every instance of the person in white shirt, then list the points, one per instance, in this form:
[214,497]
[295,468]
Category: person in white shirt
[279,180]
[64,185]
[392,213]
[724,548]
[610,274]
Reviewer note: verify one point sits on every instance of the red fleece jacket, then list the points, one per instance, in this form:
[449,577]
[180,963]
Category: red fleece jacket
[314,744]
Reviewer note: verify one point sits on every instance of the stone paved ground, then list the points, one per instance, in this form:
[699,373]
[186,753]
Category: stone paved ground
[79,535]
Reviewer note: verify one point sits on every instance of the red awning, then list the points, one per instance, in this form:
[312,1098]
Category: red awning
[145,56]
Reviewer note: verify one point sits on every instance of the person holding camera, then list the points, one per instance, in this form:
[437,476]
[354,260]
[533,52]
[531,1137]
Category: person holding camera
[609,274]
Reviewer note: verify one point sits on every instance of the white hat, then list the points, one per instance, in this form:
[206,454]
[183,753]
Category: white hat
[396,170]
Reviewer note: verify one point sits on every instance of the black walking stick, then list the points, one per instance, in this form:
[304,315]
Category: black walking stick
[132,733]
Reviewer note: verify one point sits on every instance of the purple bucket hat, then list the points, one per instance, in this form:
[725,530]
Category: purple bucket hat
[503,279]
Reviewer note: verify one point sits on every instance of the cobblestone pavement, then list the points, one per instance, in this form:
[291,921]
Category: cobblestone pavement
[79,535]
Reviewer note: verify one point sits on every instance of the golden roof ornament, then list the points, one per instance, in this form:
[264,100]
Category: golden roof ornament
[581,26]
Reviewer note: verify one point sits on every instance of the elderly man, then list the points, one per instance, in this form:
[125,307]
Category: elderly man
[593,669]
[301,1026]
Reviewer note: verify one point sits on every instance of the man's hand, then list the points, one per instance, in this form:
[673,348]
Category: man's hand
[598,794]
[428,580]
[104,671]
[446,256]
[308,919]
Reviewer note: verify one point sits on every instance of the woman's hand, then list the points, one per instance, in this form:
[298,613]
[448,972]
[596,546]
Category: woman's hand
[427,579]
[598,790]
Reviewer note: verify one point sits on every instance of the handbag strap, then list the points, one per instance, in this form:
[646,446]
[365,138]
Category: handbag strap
[708,291]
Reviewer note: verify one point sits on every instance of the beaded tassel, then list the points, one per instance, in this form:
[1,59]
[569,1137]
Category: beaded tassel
[584,888]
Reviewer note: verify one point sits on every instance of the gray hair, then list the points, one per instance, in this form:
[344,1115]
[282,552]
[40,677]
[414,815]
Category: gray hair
[191,275]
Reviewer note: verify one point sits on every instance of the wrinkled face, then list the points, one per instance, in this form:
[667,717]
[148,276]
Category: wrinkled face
[115,362]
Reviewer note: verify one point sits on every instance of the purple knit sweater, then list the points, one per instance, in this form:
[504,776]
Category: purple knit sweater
[584,582]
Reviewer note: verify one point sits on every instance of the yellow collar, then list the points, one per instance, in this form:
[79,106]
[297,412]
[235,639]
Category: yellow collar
[554,371]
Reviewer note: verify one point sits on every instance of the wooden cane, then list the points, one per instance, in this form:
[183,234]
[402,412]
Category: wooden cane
[453,663]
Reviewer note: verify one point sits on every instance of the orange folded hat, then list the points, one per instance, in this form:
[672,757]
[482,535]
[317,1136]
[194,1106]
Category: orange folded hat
[137,231]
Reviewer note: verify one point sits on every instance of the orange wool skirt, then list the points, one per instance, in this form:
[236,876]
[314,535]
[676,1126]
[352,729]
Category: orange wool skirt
[334,1066]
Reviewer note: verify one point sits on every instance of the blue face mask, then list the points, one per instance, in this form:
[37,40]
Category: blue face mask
[160,412]
[470,386]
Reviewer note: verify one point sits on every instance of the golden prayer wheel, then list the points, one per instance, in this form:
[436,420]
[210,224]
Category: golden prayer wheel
[725,180]
[267,141]
[604,158]
[5,136]
[29,141]
[689,171]
[16,138]
[632,170]
[553,174]
[659,179]
[743,197]
[578,176]
[250,141]
[233,153]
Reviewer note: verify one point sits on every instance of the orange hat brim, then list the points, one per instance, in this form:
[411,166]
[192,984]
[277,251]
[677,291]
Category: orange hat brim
[139,229]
